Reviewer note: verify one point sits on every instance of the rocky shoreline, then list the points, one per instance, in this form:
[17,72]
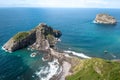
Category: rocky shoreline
[63,60]
[44,38]
[66,62]
[41,38]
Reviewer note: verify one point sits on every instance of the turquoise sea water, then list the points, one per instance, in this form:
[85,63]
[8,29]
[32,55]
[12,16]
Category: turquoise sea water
[80,35]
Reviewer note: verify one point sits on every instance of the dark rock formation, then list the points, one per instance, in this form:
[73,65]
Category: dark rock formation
[40,38]
[57,33]
[105,19]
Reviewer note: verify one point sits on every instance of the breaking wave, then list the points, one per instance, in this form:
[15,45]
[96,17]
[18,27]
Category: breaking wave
[5,50]
[77,54]
[46,73]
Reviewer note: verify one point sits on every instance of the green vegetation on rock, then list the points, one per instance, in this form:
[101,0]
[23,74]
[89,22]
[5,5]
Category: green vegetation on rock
[38,38]
[51,39]
[95,69]
[20,36]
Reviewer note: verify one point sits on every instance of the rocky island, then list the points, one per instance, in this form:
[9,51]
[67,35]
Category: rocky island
[44,37]
[105,19]
[40,38]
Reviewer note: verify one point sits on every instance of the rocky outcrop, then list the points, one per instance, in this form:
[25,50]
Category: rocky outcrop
[105,19]
[40,38]
[15,43]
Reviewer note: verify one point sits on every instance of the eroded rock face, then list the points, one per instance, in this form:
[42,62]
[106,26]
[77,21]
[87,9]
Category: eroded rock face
[13,44]
[40,38]
[57,33]
[105,19]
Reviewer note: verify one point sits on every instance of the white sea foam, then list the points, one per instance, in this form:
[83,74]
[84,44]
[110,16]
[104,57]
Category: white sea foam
[5,50]
[113,55]
[33,54]
[28,48]
[94,21]
[58,39]
[44,59]
[48,71]
[69,48]
[78,54]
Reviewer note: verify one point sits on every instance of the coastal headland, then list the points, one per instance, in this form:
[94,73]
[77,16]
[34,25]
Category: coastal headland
[41,37]
[44,38]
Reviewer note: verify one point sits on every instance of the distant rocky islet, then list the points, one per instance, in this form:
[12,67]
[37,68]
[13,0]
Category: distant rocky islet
[105,19]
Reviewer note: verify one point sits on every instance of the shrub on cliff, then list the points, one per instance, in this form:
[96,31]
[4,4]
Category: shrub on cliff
[51,39]
[20,36]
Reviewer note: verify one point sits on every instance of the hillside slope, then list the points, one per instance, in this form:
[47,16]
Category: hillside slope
[95,69]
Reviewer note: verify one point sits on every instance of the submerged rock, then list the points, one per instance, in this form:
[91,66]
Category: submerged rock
[105,19]
[40,38]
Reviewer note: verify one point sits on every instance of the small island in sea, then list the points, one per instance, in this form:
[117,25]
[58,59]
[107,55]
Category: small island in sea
[105,19]
[44,38]
[40,38]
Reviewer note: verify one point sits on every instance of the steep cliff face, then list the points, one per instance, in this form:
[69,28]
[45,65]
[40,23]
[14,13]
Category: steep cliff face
[40,38]
[19,41]
[105,19]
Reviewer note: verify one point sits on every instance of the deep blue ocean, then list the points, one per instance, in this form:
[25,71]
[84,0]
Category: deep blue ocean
[80,35]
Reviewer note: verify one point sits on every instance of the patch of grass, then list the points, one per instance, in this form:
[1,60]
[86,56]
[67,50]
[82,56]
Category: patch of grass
[20,36]
[95,69]
[51,39]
